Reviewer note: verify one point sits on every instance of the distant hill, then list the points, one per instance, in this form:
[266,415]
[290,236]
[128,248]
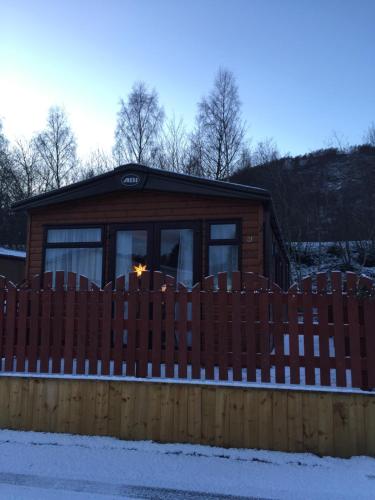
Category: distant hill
[327,195]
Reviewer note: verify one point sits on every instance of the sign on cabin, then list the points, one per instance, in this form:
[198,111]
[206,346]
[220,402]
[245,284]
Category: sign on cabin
[130,180]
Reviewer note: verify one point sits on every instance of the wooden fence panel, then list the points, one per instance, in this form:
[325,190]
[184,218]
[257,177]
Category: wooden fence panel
[154,329]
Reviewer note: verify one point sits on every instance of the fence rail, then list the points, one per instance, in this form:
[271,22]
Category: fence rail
[321,333]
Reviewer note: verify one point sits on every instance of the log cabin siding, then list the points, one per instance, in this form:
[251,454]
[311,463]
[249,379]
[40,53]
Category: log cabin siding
[147,206]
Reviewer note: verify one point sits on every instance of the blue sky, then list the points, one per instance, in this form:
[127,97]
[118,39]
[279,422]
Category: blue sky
[305,68]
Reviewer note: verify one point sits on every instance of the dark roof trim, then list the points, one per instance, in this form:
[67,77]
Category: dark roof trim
[143,178]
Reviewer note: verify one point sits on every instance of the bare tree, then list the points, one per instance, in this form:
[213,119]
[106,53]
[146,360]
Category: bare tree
[139,123]
[26,166]
[220,128]
[265,151]
[98,162]
[174,146]
[369,137]
[56,146]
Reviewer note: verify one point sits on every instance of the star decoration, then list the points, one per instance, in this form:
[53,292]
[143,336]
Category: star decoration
[139,269]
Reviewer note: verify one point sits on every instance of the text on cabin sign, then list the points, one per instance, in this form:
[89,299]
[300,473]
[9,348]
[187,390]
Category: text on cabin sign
[130,180]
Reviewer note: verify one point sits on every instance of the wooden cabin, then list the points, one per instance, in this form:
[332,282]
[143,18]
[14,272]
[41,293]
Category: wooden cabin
[135,217]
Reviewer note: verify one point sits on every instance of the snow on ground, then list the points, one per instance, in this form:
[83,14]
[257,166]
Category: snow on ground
[60,466]
[8,252]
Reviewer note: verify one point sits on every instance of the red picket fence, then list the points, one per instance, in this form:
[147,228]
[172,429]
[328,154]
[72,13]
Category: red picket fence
[321,333]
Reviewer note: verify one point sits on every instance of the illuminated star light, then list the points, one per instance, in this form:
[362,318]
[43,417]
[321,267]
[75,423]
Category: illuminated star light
[140,269]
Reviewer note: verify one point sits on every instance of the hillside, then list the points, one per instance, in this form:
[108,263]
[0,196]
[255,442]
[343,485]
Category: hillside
[327,195]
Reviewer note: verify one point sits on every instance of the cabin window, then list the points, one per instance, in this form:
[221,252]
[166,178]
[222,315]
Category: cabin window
[223,248]
[176,254]
[77,250]
[131,252]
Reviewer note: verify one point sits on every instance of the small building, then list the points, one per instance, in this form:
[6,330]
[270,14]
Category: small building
[12,264]
[140,217]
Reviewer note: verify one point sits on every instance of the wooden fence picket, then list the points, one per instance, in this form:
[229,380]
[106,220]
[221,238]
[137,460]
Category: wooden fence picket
[324,339]
[58,321]
[264,327]
[142,364]
[278,333]
[118,330]
[250,313]
[338,328]
[308,337]
[294,363]
[354,334]
[223,325]
[34,324]
[132,302]
[209,345]
[182,331]
[236,326]
[106,337]
[70,314]
[93,329]
[196,332]
[158,282]
[45,330]
[23,301]
[10,325]
[170,326]
[3,299]
[82,324]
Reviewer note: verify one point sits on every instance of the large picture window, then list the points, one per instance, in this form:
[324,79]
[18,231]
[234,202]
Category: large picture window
[223,248]
[78,250]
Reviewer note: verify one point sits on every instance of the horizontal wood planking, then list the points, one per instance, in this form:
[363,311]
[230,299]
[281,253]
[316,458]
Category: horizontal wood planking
[325,423]
[138,207]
